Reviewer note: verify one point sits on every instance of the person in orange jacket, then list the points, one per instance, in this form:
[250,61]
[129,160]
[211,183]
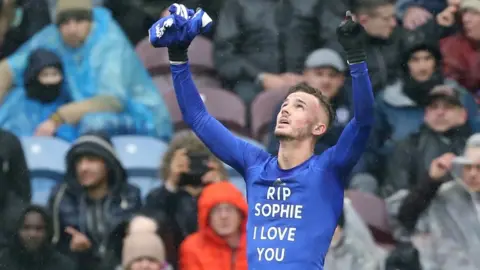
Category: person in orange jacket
[220,242]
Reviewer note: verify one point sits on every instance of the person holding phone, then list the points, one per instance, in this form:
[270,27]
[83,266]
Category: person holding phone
[187,167]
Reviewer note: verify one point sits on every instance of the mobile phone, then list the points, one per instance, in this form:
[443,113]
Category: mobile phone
[198,167]
[198,163]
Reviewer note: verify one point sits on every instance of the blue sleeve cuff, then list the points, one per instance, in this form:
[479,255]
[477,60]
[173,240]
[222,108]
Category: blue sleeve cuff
[358,67]
[178,67]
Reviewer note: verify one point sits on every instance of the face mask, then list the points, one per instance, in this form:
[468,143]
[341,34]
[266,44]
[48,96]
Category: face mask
[44,93]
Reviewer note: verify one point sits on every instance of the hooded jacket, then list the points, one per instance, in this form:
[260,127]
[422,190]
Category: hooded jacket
[71,207]
[32,102]
[205,250]
[16,257]
[15,182]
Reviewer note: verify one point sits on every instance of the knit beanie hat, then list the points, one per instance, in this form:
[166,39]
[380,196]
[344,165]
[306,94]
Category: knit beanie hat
[73,5]
[142,245]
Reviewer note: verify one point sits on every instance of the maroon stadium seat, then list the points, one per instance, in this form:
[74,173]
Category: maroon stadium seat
[157,63]
[262,109]
[225,106]
[373,211]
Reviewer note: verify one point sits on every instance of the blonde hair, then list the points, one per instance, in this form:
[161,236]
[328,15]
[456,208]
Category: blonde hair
[188,140]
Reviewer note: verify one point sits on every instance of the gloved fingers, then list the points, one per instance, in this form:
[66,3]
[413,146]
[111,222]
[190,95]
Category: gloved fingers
[179,10]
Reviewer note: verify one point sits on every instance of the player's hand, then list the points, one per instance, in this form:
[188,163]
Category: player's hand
[446,18]
[79,242]
[177,30]
[441,166]
[352,36]
[415,17]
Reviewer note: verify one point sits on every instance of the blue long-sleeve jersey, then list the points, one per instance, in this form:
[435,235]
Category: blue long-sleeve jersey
[292,213]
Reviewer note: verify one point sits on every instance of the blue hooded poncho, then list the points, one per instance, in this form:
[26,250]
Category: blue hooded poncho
[106,64]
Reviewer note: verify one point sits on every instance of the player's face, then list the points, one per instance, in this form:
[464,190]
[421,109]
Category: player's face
[300,117]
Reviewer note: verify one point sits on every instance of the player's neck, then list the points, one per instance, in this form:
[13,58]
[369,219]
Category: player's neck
[293,153]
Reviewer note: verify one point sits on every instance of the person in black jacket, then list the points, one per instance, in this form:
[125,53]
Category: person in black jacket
[15,191]
[445,129]
[94,198]
[31,247]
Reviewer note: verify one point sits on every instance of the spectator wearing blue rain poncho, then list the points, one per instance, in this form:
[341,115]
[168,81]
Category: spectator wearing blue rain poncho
[110,89]
[43,92]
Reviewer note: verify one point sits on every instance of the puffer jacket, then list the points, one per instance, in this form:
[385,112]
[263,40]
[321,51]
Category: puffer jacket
[69,202]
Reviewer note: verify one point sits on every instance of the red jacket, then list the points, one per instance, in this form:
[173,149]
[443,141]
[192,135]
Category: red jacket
[461,61]
[205,250]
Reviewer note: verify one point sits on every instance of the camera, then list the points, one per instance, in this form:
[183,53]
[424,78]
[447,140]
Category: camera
[198,168]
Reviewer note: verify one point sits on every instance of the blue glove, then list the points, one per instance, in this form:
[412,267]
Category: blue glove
[177,30]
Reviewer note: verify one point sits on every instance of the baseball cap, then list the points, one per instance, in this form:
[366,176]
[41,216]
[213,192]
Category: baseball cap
[325,58]
[470,4]
[447,94]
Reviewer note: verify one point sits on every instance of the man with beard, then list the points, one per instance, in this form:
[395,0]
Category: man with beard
[31,247]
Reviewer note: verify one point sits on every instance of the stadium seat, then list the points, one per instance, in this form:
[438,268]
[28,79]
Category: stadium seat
[156,60]
[239,183]
[145,184]
[225,106]
[205,81]
[140,155]
[45,156]
[262,110]
[163,83]
[41,189]
[373,211]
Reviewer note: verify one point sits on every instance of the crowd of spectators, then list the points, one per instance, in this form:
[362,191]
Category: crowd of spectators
[79,71]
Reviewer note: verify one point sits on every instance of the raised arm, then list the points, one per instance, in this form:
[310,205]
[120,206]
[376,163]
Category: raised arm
[176,32]
[353,141]
[230,149]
